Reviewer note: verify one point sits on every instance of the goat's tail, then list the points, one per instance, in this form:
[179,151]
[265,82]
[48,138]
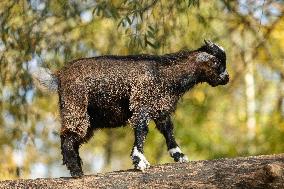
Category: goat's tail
[45,80]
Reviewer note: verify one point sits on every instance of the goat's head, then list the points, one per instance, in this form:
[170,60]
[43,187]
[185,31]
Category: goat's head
[211,60]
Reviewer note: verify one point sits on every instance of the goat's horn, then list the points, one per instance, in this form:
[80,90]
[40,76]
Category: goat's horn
[206,42]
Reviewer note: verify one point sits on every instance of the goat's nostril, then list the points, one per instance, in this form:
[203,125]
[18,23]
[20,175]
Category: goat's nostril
[224,75]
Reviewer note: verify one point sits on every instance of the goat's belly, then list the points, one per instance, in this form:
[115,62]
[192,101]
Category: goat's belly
[109,113]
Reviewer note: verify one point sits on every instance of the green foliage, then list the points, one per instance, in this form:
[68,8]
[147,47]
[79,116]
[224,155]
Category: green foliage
[210,122]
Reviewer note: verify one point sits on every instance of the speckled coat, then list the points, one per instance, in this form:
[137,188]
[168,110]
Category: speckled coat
[111,91]
[107,91]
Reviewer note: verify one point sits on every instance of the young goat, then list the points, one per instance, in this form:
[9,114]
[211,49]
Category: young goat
[111,91]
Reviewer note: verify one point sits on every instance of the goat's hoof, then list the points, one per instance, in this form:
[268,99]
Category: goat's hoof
[180,157]
[139,160]
[77,174]
[183,159]
[141,164]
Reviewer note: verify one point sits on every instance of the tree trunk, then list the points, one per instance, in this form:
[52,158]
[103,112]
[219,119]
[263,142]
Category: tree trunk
[250,94]
[251,172]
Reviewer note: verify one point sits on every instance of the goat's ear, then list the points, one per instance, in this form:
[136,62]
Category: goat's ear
[204,57]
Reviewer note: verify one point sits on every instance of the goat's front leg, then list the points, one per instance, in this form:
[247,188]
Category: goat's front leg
[140,131]
[165,126]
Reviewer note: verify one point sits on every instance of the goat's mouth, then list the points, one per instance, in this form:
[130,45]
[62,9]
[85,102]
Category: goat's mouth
[219,81]
[213,84]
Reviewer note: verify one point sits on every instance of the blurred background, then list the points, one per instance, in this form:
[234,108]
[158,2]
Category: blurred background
[245,117]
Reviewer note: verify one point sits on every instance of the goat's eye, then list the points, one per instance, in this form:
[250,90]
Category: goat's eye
[215,64]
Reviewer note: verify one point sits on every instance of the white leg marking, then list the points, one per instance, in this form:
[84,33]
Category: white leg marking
[183,159]
[174,150]
[143,163]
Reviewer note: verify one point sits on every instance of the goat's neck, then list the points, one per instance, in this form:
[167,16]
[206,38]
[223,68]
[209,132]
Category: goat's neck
[179,78]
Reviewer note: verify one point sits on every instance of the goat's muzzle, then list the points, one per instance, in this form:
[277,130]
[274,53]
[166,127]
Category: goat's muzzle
[224,78]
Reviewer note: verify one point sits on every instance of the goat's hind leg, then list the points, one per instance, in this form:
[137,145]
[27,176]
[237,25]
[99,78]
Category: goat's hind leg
[75,124]
[70,144]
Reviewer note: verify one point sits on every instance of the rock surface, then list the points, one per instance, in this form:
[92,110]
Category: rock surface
[265,171]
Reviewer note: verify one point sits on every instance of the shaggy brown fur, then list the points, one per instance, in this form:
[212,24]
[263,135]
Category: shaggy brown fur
[111,91]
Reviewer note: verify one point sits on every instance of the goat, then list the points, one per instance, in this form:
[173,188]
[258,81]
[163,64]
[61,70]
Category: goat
[111,91]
